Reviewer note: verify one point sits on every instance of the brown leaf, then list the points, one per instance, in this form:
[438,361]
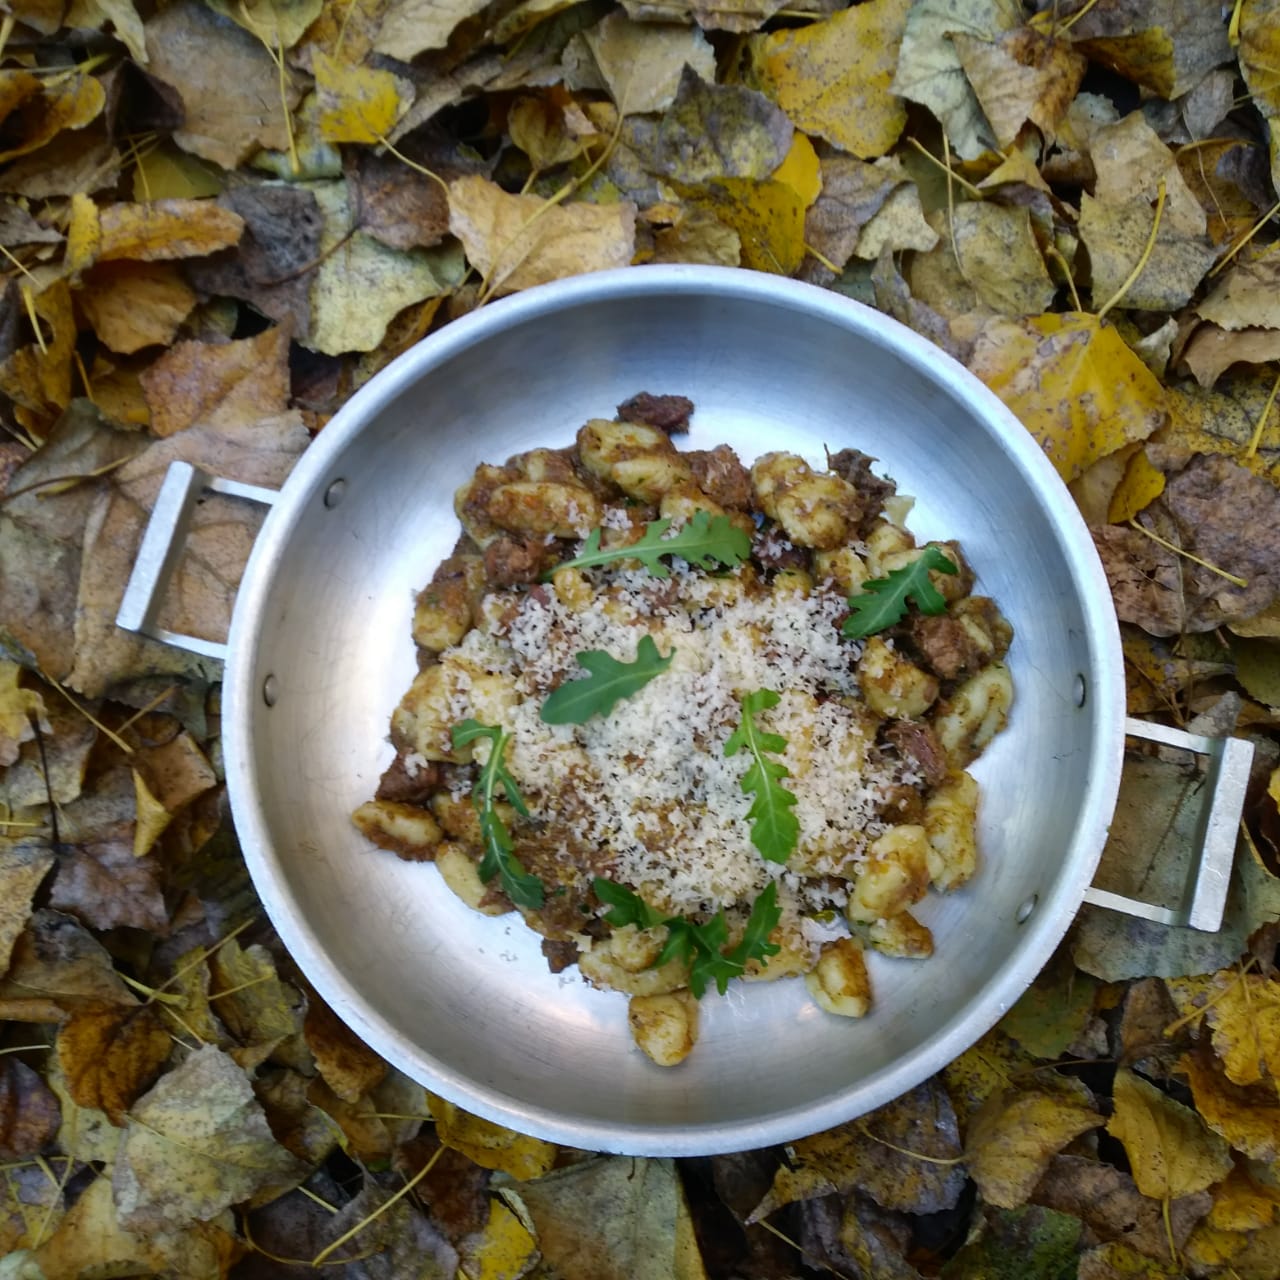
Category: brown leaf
[257,1007]
[28,1111]
[63,102]
[229,86]
[37,376]
[176,771]
[30,1202]
[853,192]
[410,27]
[110,1056]
[106,886]
[1109,1203]
[1147,1013]
[23,865]
[157,231]
[135,305]
[1247,296]
[1171,1151]
[218,384]
[85,160]
[365,1135]
[1145,579]
[1212,351]
[1259,45]
[57,962]
[347,1064]
[1012,1139]
[298,1125]
[399,207]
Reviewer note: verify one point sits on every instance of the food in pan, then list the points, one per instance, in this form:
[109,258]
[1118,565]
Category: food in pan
[695,721]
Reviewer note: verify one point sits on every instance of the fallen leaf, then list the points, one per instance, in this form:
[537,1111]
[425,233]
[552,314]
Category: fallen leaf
[1166,47]
[404,1242]
[410,27]
[1222,420]
[37,376]
[196,1143]
[166,173]
[104,883]
[232,93]
[1073,382]
[1247,1117]
[279,23]
[55,961]
[347,1065]
[110,1056]
[1171,1151]
[930,72]
[217,384]
[30,1204]
[28,1111]
[360,283]
[697,235]
[299,1126]
[257,1007]
[832,77]
[135,305]
[715,131]
[516,242]
[1140,485]
[768,218]
[1110,1205]
[491,1145]
[1240,1204]
[1257,666]
[1000,256]
[1117,1262]
[899,224]
[163,229]
[86,160]
[1246,296]
[641,64]
[1030,1243]
[1221,173]
[503,1250]
[1212,351]
[1053,1011]
[23,865]
[20,709]
[91,1240]
[66,102]
[711,15]
[1131,161]
[355,103]
[644,1231]
[1245,1017]
[1012,1139]
[905,1156]
[176,771]
[1259,54]
[1019,78]
[853,192]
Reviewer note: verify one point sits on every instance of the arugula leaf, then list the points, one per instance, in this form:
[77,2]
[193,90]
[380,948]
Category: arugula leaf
[774,828]
[706,541]
[700,946]
[576,701]
[884,600]
[499,858]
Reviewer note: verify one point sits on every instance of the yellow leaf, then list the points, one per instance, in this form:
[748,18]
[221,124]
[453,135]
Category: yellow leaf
[1001,258]
[38,375]
[274,22]
[153,818]
[1273,786]
[984,1069]
[1240,1204]
[357,104]
[1074,384]
[538,127]
[1245,1016]
[66,103]
[505,1250]
[1223,419]
[832,77]
[697,235]
[801,170]
[17,707]
[109,1056]
[1171,1151]
[1140,486]
[163,229]
[1015,1135]
[516,242]
[490,1145]
[767,216]
[135,305]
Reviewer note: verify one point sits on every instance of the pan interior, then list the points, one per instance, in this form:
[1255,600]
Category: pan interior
[465,1003]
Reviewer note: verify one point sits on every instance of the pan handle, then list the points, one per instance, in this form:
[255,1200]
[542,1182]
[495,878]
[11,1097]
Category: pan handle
[161,550]
[1226,779]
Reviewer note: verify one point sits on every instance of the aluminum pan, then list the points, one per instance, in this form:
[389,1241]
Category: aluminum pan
[464,1003]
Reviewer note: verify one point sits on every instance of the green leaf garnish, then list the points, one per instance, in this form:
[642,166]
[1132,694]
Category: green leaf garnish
[576,701]
[884,600]
[499,849]
[706,541]
[774,828]
[700,946]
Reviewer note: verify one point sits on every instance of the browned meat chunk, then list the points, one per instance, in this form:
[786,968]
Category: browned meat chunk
[946,645]
[508,561]
[855,468]
[667,413]
[719,474]
[918,745]
[403,786]
[772,549]
[560,955]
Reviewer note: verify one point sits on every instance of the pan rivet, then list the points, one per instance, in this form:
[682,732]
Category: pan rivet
[333,494]
[1023,913]
[1081,690]
[270,691]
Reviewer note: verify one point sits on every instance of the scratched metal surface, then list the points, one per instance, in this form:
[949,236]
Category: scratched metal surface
[464,1003]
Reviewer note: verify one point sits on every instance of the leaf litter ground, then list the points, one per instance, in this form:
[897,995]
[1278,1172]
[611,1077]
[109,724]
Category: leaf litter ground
[219,220]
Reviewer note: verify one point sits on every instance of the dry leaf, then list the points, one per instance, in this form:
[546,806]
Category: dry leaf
[38,376]
[1000,256]
[399,207]
[135,305]
[276,22]
[347,1065]
[1223,420]
[411,26]
[23,865]
[357,104]
[30,1205]
[1240,1204]
[299,1127]
[1021,77]
[1012,1139]
[230,88]
[105,884]
[196,1143]
[360,283]
[19,710]
[930,72]
[1257,667]
[1245,1017]
[1170,1150]
[490,1145]
[1053,1011]
[516,242]
[1212,351]
[853,192]
[1247,296]
[898,224]
[1117,1262]
[641,64]
[56,962]
[28,1111]
[257,1007]
[1073,382]
[110,1056]
[63,102]
[1131,161]
[711,15]
[643,1229]
[697,235]
[163,229]
[1139,487]
[1259,56]
[768,218]
[832,77]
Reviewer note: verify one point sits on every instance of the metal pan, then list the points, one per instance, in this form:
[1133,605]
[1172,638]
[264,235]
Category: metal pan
[320,652]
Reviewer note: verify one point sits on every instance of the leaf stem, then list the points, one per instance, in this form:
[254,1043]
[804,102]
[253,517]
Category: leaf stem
[1256,438]
[1204,564]
[1141,265]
